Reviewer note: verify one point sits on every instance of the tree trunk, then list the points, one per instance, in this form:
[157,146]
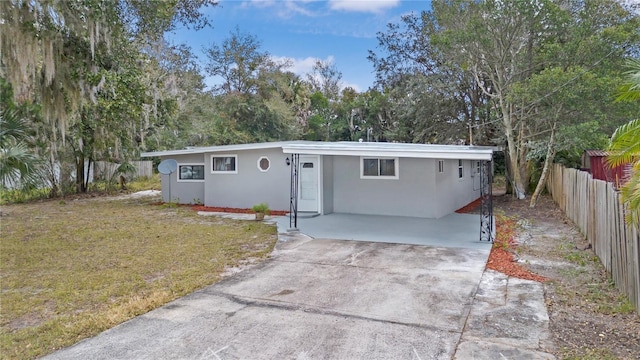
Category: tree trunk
[86,179]
[513,154]
[551,154]
[80,174]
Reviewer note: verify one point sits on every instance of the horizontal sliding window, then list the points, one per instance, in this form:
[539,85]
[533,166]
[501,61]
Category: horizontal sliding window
[378,168]
[191,172]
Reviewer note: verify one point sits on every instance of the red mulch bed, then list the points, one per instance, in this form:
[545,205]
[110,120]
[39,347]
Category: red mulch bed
[226,209]
[501,257]
[235,210]
[470,207]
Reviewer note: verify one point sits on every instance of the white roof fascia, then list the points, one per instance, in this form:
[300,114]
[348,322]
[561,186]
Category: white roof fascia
[217,149]
[429,151]
[418,151]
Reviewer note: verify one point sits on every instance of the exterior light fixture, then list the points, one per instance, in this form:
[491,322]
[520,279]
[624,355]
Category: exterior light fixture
[288,161]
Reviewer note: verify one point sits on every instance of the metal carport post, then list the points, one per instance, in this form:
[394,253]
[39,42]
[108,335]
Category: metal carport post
[486,203]
[293,193]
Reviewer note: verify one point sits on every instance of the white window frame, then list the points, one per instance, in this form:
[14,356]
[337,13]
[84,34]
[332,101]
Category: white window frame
[190,180]
[396,165]
[460,170]
[475,167]
[258,164]
[213,171]
[440,166]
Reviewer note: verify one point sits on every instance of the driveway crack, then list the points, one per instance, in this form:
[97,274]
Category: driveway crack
[279,305]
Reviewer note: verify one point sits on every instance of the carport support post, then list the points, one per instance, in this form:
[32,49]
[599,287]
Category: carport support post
[486,204]
[293,193]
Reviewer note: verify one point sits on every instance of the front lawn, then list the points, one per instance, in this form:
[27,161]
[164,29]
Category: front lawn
[71,269]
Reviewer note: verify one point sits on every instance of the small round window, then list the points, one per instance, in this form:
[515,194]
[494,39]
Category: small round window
[264,164]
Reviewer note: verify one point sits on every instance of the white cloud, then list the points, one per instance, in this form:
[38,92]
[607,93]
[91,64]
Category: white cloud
[344,85]
[283,8]
[373,6]
[304,66]
[301,67]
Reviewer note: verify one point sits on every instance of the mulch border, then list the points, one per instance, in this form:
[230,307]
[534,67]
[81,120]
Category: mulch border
[501,258]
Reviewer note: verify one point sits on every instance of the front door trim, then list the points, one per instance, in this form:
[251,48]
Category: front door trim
[306,205]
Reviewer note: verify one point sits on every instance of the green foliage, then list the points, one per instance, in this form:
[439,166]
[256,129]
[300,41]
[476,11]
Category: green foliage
[625,146]
[261,208]
[535,77]
[145,183]
[21,167]
[630,90]
[101,73]
[20,196]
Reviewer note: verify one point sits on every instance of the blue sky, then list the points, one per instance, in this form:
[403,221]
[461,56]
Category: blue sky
[341,31]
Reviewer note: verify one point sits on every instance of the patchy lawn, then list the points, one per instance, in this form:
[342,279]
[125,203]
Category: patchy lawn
[71,269]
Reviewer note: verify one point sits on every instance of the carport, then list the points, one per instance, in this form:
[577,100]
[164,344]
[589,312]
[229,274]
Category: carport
[454,230]
[376,188]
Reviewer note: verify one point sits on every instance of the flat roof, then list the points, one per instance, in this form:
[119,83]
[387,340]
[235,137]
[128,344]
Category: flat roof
[430,151]
[220,148]
[347,148]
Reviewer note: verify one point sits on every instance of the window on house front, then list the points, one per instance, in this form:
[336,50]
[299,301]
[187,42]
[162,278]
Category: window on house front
[224,164]
[191,172]
[379,168]
[478,166]
[441,166]
[460,169]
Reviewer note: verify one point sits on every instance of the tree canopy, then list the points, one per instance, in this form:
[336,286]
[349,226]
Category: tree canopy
[99,81]
[526,75]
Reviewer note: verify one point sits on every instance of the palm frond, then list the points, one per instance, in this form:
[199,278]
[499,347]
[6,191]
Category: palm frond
[625,144]
[630,90]
[631,196]
[12,126]
[19,168]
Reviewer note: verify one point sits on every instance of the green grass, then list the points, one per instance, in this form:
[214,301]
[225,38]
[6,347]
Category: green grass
[23,196]
[15,196]
[72,269]
[592,354]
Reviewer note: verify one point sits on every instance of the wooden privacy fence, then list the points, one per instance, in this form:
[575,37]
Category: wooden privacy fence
[596,208]
[104,170]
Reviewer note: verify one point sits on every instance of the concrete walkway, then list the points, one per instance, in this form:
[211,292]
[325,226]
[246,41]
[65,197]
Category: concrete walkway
[343,300]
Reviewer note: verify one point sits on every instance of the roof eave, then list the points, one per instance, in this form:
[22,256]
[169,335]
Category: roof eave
[434,154]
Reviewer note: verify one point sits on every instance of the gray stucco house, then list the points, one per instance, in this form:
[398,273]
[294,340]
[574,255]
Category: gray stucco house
[416,180]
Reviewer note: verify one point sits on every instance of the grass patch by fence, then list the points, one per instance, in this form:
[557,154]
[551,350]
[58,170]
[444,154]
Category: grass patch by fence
[71,269]
[597,210]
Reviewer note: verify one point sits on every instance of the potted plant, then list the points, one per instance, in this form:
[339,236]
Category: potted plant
[261,210]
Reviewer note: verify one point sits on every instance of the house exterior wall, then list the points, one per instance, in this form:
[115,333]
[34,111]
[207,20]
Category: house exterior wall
[184,192]
[419,191]
[327,182]
[409,195]
[452,192]
[249,185]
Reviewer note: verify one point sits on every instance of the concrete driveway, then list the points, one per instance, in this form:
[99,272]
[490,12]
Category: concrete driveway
[334,299]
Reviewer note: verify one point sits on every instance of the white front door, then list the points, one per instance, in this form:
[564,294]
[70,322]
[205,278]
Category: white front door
[308,193]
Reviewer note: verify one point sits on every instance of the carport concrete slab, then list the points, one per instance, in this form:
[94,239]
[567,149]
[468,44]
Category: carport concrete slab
[453,230]
[314,299]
